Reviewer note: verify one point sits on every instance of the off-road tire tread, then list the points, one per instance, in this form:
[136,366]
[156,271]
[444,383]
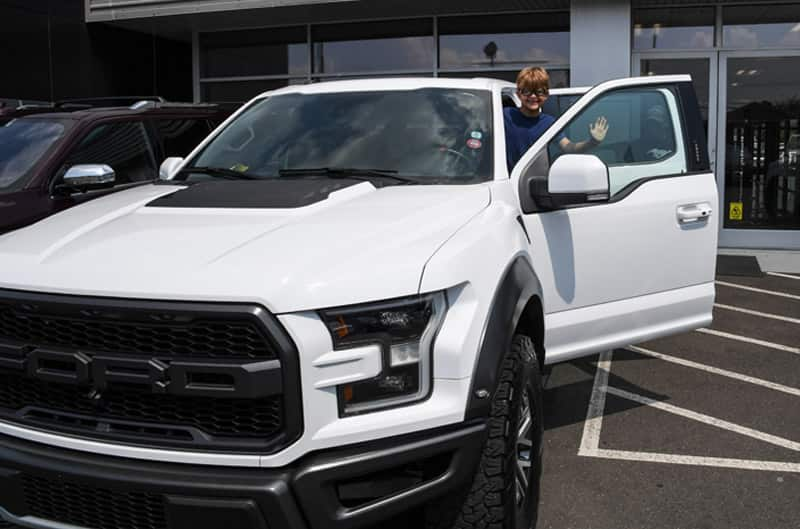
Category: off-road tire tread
[491,499]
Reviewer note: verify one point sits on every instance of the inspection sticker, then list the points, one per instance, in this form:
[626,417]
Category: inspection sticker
[735,211]
[476,134]
[472,143]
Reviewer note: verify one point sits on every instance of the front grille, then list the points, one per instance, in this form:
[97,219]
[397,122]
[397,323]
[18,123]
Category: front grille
[92,507]
[214,416]
[82,330]
[190,375]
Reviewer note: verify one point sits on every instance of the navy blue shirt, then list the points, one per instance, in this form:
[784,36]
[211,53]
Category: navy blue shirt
[522,132]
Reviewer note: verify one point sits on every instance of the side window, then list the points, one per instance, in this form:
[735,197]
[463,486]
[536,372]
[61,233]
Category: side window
[644,138]
[181,136]
[124,146]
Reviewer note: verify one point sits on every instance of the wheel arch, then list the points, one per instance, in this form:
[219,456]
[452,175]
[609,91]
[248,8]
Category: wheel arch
[516,308]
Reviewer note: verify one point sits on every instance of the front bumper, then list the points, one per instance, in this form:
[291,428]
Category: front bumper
[352,487]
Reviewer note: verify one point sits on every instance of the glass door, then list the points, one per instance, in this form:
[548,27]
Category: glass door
[759,149]
[702,66]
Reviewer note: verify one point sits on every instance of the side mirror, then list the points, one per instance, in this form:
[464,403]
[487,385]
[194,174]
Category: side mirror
[169,167]
[573,179]
[86,177]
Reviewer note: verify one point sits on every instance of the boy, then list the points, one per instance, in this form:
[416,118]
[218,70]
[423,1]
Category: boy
[524,125]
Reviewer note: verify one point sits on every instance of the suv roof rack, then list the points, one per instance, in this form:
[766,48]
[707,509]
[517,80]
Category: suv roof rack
[115,101]
[11,104]
[131,102]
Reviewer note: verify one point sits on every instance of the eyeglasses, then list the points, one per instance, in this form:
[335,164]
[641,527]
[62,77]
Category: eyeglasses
[541,92]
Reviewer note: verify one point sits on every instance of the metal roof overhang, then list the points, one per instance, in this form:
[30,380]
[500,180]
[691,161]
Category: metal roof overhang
[177,19]
[113,10]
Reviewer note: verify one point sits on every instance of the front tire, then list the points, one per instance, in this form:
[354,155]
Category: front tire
[505,491]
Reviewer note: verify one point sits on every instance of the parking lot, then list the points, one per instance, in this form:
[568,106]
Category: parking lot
[695,431]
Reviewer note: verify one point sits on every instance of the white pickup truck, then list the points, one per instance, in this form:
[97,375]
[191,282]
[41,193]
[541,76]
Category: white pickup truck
[335,311]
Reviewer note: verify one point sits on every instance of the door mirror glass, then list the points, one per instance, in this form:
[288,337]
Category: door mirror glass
[573,179]
[87,176]
[169,167]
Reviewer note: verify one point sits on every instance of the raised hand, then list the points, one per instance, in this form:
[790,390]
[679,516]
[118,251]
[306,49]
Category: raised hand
[599,129]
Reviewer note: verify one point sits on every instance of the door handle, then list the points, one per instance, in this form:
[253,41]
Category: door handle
[694,212]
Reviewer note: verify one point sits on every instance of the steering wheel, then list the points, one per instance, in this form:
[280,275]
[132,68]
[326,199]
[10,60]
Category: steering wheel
[460,157]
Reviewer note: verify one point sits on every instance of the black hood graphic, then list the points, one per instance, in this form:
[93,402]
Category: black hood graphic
[256,194]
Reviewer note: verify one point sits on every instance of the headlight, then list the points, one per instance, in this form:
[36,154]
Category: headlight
[405,329]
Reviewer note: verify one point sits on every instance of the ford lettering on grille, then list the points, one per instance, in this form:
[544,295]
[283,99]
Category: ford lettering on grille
[251,380]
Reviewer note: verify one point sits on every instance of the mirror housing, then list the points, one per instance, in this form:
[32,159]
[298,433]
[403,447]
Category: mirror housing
[169,167]
[573,179]
[85,177]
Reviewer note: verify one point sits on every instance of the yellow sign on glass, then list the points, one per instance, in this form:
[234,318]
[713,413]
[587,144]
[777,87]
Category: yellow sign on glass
[735,210]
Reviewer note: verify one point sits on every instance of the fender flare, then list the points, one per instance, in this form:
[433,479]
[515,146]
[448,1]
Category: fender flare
[518,286]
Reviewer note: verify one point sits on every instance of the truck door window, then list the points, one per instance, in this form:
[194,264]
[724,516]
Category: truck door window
[644,137]
[123,146]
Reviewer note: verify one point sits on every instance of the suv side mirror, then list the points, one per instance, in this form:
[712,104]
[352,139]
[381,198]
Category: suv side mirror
[86,177]
[573,179]
[169,167]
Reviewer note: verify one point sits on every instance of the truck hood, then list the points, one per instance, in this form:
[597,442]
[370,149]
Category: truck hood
[354,244]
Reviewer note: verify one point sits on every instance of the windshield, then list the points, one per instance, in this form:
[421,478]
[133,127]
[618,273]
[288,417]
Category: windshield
[22,144]
[430,135]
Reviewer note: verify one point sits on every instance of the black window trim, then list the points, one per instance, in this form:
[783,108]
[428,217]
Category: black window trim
[530,207]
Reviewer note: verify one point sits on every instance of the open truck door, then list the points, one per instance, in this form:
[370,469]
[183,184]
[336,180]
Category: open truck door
[623,235]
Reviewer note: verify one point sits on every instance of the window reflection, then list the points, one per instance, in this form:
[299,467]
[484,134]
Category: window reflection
[435,135]
[377,46]
[762,154]
[270,51]
[761,26]
[558,78]
[684,28]
[239,91]
[697,68]
[503,41]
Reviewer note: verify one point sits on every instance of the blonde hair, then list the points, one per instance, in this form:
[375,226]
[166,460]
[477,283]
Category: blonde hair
[533,78]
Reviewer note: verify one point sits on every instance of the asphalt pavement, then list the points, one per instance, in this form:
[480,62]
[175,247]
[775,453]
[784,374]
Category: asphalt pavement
[696,431]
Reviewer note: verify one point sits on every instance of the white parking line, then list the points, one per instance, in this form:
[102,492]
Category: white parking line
[707,419]
[717,371]
[590,442]
[787,276]
[700,461]
[756,313]
[759,290]
[763,343]
[594,415]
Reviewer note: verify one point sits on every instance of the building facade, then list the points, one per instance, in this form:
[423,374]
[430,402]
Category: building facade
[744,58]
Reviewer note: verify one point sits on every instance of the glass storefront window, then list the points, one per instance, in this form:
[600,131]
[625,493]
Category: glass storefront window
[762,153]
[558,78]
[775,26]
[350,77]
[269,51]
[697,68]
[373,47]
[675,29]
[239,91]
[511,42]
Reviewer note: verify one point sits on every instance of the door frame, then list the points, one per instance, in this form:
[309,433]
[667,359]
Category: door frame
[745,238]
[713,87]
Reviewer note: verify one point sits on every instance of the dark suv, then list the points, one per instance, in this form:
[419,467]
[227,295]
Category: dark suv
[37,150]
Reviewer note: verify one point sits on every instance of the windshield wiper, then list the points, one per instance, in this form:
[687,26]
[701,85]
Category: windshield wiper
[230,174]
[346,172]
